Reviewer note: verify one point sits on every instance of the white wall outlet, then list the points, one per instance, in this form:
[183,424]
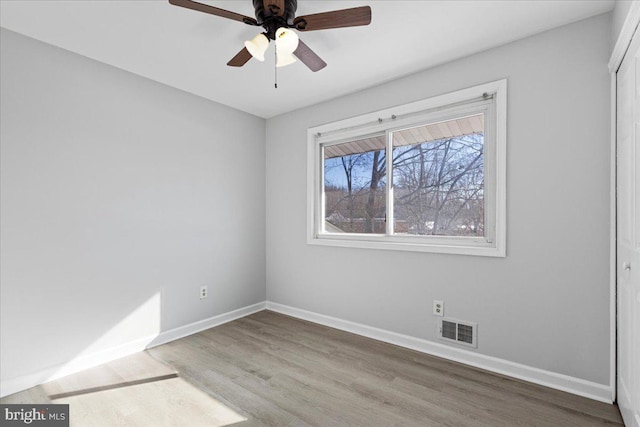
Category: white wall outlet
[438,308]
[204,291]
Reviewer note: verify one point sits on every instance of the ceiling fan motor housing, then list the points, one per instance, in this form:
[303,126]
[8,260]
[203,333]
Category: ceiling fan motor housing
[273,17]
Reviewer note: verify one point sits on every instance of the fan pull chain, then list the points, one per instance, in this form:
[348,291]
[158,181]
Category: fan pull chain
[275,66]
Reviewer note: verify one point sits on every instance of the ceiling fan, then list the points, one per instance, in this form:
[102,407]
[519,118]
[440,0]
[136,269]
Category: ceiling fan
[278,18]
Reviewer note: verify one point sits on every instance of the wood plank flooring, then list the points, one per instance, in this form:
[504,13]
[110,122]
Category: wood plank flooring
[268,369]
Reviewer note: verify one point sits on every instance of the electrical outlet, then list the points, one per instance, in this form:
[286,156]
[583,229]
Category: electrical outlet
[204,292]
[438,308]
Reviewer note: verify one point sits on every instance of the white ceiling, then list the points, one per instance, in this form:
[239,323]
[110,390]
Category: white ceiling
[189,50]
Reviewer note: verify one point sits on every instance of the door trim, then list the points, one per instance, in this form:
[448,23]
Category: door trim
[613,232]
[624,39]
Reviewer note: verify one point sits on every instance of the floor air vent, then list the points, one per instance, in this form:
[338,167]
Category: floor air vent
[458,331]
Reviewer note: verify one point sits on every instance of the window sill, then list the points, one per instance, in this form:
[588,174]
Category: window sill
[457,246]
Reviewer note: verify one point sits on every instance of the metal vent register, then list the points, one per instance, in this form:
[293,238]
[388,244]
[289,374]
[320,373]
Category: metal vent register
[458,331]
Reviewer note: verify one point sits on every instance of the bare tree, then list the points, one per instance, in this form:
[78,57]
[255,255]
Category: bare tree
[348,164]
[378,171]
[434,183]
[438,188]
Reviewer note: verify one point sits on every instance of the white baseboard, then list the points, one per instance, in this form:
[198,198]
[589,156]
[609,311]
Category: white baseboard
[555,380]
[78,364]
[192,328]
[24,382]
[562,382]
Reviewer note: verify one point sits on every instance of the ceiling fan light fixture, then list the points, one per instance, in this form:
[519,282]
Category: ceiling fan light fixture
[284,59]
[257,46]
[286,41]
[278,17]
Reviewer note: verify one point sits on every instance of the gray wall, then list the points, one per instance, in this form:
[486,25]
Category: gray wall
[116,190]
[546,304]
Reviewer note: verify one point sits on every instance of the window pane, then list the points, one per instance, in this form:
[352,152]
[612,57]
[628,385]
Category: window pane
[355,186]
[438,178]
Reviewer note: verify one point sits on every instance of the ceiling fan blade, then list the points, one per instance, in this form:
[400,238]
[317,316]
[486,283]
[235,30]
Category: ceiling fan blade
[309,57]
[240,59]
[200,7]
[336,19]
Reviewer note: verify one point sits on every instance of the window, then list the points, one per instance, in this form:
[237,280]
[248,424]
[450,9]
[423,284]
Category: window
[428,176]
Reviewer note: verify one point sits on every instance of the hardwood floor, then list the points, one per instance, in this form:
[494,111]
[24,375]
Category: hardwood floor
[268,369]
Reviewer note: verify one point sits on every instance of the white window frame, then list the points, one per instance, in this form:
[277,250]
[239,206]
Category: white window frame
[438,108]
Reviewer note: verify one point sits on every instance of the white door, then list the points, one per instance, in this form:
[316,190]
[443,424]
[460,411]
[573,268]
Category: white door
[628,246]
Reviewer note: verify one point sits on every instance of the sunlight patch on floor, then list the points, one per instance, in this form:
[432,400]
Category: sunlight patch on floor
[170,402]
